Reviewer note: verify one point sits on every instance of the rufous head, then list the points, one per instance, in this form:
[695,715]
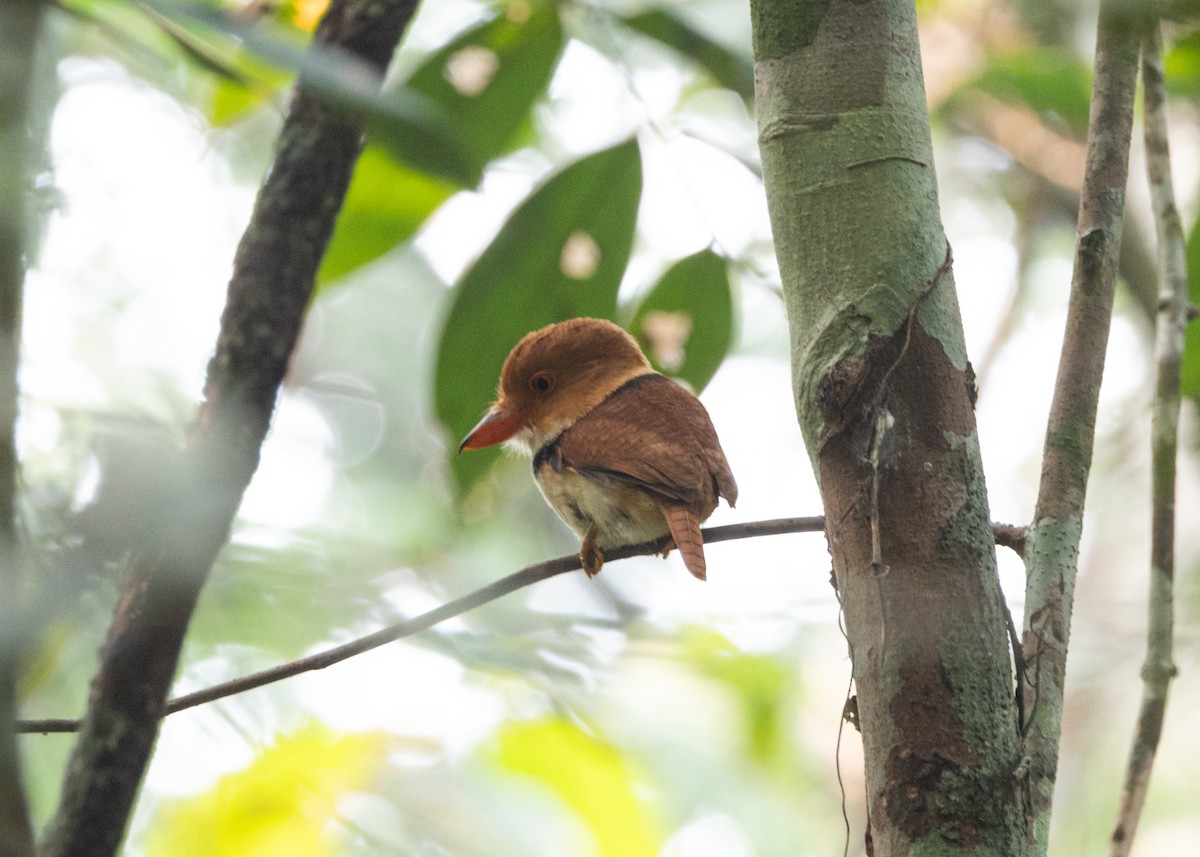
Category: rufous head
[552,377]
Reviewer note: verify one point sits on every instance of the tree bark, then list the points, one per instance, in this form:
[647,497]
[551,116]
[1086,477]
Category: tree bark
[884,394]
[272,282]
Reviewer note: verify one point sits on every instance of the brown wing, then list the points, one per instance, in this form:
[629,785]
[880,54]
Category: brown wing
[654,434]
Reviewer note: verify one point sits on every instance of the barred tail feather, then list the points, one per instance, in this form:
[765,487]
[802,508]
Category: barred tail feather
[685,530]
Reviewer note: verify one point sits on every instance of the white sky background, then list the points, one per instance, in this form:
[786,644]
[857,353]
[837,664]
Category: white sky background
[139,254]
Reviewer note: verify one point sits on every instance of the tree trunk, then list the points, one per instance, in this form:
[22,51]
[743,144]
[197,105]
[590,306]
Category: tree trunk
[273,277]
[20,21]
[884,395]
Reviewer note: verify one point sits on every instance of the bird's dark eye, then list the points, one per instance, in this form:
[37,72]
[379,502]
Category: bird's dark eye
[542,382]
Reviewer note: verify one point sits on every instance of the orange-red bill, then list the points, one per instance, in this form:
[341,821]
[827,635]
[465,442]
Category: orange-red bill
[495,427]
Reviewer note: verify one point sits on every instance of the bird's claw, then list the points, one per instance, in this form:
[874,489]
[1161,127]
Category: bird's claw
[590,555]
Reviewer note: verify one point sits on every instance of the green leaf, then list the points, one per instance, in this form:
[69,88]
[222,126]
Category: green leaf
[1181,67]
[240,80]
[685,323]
[460,109]
[385,205]
[729,68]
[1190,378]
[418,131]
[263,83]
[560,255]
[203,54]
[1051,82]
[480,88]
[341,80]
[590,777]
[153,41]
[230,101]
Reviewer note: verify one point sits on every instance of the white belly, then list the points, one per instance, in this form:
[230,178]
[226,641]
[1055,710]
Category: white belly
[623,515]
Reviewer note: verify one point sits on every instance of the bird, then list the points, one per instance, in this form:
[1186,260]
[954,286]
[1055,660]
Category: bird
[623,454]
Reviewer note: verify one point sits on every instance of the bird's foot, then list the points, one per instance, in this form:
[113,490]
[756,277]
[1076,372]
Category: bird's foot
[667,548]
[590,554]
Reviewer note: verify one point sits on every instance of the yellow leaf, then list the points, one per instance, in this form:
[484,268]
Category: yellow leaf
[590,776]
[280,805]
[307,13]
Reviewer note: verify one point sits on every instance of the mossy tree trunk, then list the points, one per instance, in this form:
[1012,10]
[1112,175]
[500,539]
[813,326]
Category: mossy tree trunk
[884,394]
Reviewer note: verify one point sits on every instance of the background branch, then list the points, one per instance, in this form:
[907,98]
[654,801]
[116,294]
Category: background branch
[1052,543]
[1057,162]
[505,585]
[272,281]
[1159,668]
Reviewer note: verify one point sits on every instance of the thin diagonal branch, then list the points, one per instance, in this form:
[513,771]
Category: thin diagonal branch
[406,628]
[1053,538]
[1159,667]
[273,276]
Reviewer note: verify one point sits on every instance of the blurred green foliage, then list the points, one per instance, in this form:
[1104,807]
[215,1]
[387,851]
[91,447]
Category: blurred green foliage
[283,803]
[590,776]
[759,683]
[1051,81]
